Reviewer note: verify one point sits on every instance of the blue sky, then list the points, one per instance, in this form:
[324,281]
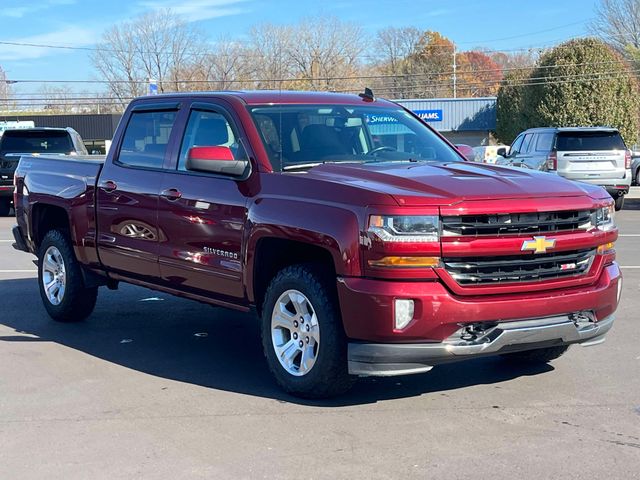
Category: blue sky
[491,24]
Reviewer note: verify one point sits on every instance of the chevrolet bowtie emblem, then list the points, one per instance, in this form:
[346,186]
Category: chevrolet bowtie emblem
[538,244]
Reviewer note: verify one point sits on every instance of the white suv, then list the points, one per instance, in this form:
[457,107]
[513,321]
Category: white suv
[594,155]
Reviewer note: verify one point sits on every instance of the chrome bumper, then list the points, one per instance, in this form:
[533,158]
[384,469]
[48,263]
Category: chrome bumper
[388,359]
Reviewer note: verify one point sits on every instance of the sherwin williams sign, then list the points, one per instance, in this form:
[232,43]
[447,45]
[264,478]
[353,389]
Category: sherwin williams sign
[429,115]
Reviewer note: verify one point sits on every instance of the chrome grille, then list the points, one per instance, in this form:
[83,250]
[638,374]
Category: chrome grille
[518,268]
[516,223]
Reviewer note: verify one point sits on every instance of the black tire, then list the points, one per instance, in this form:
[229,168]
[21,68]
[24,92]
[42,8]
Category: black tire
[5,207]
[329,374]
[619,203]
[540,355]
[77,301]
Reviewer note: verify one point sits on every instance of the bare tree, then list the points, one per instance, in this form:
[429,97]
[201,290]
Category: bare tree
[268,44]
[7,102]
[156,45]
[617,22]
[225,68]
[325,53]
[395,47]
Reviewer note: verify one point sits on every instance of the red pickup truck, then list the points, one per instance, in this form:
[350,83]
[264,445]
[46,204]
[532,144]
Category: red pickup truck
[363,240]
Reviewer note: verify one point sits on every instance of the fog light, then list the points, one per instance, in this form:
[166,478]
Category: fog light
[403,312]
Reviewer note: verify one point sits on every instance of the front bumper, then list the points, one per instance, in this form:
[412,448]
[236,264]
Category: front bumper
[523,321]
[400,359]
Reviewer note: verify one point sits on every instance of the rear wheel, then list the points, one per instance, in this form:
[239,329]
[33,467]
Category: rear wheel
[302,335]
[540,355]
[619,203]
[5,207]
[62,289]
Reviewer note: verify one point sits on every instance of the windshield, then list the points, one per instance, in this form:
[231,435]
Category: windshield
[296,136]
[23,141]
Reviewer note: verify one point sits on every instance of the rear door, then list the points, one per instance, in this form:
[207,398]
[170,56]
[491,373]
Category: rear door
[202,215]
[591,154]
[128,190]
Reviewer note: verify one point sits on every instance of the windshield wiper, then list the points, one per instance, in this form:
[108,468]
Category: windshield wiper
[301,166]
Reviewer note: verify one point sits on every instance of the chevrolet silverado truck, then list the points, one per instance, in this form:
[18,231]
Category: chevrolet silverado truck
[362,240]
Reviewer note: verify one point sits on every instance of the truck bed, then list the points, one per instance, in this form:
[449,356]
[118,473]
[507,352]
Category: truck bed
[63,176]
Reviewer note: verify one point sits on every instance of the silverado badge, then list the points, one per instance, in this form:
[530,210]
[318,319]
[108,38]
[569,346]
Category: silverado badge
[538,244]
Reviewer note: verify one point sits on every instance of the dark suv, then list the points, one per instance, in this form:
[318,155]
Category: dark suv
[14,143]
[596,155]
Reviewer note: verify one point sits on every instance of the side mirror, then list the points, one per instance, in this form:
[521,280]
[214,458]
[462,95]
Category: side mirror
[215,160]
[502,151]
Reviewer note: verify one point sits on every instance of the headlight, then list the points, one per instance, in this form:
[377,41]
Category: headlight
[405,228]
[604,218]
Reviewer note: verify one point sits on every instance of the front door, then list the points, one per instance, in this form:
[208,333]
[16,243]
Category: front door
[127,195]
[202,215]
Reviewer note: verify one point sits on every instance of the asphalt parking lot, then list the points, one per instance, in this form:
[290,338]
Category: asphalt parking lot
[152,386]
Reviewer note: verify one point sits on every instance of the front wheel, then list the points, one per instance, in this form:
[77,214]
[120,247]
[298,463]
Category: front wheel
[62,289]
[539,355]
[619,203]
[302,335]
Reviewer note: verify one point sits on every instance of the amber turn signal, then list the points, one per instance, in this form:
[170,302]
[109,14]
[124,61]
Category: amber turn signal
[605,248]
[415,262]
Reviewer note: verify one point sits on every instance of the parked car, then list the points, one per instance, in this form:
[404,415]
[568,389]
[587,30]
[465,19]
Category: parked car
[596,155]
[488,153]
[466,151]
[365,247]
[18,142]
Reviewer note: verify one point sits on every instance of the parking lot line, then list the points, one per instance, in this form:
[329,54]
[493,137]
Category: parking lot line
[18,271]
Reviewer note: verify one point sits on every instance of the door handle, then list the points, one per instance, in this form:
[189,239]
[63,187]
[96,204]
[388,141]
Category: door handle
[171,194]
[108,186]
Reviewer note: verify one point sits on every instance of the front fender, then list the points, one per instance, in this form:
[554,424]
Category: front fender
[331,227]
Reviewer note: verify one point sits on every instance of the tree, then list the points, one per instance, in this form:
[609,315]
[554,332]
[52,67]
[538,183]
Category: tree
[618,23]
[395,47]
[511,114]
[431,66]
[156,45]
[478,74]
[582,82]
[5,91]
[324,52]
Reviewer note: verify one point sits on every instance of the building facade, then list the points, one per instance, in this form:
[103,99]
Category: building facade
[460,120]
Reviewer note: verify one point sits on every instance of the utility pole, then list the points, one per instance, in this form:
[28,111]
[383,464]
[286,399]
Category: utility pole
[455,78]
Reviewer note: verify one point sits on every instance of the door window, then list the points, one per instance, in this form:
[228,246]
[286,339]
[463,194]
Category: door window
[209,129]
[515,147]
[146,138]
[526,143]
[545,142]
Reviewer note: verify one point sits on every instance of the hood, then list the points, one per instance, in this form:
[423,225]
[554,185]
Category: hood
[450,183]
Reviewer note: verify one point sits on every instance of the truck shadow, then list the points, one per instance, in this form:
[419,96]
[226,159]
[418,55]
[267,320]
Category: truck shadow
[189,342]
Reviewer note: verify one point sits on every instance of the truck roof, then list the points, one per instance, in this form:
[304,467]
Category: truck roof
[264,97]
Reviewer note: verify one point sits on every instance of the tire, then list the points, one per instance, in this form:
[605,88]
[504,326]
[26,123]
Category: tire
[619,203]
[68,299]
[5,208]
[312,357]
[540,355]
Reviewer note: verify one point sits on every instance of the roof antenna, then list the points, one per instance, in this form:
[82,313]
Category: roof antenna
[367,96]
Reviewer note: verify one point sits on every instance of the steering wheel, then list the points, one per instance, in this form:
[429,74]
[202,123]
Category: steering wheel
[382,148]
